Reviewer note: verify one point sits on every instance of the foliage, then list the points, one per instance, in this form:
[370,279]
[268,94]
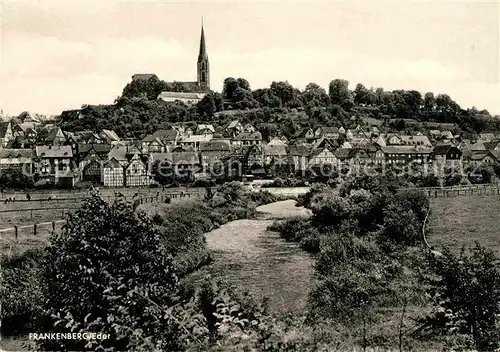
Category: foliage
[466,292]
[15,179]
[95,274]
[20,292]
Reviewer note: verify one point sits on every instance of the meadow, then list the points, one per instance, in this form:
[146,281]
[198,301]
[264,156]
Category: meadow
[461,221]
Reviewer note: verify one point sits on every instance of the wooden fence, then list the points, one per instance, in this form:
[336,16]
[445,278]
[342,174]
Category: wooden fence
[34,229]
[455,191]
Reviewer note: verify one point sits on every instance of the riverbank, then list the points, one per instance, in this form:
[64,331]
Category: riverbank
[253,259]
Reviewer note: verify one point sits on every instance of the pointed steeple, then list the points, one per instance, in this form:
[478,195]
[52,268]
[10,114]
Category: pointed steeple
[203,65]
[203,50]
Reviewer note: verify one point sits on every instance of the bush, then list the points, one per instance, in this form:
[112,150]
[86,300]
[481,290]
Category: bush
[108,272]
[21,292]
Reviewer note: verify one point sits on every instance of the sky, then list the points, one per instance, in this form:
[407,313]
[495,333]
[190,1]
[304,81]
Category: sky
[59,55]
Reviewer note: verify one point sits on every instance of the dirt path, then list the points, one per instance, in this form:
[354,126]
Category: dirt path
[257,260]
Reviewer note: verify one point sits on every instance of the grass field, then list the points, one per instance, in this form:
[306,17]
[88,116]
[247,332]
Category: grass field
[460,221]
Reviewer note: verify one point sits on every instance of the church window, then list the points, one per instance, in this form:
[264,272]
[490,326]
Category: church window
[203,76]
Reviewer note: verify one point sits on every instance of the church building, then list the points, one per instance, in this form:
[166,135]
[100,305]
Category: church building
[192,92]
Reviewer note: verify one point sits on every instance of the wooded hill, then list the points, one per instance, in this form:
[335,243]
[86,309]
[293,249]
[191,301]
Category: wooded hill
[280,109]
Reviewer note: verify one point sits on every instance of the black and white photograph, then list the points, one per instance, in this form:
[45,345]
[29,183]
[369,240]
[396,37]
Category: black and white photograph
[239,175]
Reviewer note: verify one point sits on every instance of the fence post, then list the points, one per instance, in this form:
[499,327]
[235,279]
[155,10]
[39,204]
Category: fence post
[16,231]
[34,230]
[53,226]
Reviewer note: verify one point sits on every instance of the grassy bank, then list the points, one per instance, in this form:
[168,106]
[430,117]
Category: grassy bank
[461,221]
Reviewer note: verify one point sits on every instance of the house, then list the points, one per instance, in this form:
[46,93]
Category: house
[50,135]
[447,154]
[194,140]
[109,136]
[113,174]
[248,128]
[187,98]
[473,146]
[479,157]
[29,132]
[55,164]
[205,129]
[324,156]
[404,154]
[6,133]
[275,152]
[214,152]
[359,156]
[16,159]
[150,144]
[327,132]
[92,172]
[137,173]
[168,137]
[92,152]
[416,140]
[234,128]
[119,153]
[299,156]
[185,161]
[487,137]
[248,138]
[305,136]
[255,160]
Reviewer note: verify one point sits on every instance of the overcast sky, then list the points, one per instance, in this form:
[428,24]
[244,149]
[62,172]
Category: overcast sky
[58,55]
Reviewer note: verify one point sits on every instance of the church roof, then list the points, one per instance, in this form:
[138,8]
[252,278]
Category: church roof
[203,51]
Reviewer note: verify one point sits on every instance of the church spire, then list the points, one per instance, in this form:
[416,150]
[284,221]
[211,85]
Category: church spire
[203,50]
[203,65]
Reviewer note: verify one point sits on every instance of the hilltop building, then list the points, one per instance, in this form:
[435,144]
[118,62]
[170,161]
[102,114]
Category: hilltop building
[188,92]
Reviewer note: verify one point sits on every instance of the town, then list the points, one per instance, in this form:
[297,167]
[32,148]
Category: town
[182,215]
[64,158]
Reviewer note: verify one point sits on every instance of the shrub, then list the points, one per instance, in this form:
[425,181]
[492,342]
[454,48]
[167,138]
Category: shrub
[108,272]
[21,292]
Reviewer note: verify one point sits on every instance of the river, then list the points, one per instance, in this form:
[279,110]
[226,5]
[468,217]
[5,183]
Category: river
[259,261]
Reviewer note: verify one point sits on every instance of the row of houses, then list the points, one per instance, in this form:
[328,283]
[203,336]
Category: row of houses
[103,157]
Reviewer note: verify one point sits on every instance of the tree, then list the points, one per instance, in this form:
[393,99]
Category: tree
[206,107]
[230,85]
[149,88]
[96,277]
[339,93]
[361,95]
[314,94]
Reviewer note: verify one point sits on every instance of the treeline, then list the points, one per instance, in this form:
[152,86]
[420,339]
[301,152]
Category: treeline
[138,111]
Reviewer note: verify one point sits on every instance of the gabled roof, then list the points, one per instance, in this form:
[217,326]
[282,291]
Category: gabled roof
[167,135]
[3,128]
[249,136]
[442,149]
[15,153]
[233,124]
[405,149]
[205,127]
[98,148]
[111,135]
[113,164]
[215,145]
[44,151]
[275,150]
[118,153]
[183,156]
[299,150]
[342,153]
[181,95]
[153,157]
